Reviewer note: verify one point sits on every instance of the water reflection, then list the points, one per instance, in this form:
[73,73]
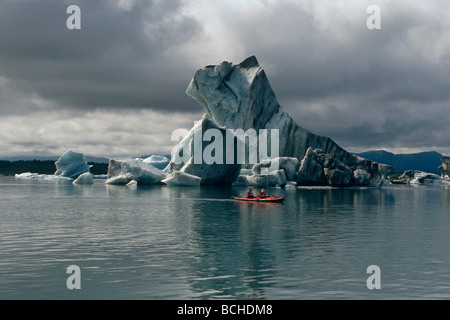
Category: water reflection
[255,207]
[445,196]
[115,191]
[84,190]
[230,256]
[182,242]
[241,250]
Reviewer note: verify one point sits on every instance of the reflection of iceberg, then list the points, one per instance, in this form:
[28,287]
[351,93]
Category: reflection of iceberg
[229,255]
[115,191]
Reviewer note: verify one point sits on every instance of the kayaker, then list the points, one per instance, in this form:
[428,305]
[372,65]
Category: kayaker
[250,193]
[262,194]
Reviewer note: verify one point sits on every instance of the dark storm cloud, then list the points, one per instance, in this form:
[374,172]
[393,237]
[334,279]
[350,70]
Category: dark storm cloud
[117,59]
[366,89]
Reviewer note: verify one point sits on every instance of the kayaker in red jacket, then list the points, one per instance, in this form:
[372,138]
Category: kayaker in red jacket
[262,194]
[250,193]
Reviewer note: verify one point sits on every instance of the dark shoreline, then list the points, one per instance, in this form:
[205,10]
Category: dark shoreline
[10,168]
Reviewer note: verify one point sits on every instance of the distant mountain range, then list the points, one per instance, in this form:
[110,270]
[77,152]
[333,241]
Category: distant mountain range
[423,161]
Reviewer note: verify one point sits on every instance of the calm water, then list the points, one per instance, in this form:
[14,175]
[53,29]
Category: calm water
[196,243]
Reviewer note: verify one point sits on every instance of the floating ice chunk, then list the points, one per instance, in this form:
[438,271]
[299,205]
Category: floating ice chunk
[120,179]
[426,178]
[30,175]
[71,165]
[159,162]
[445,168]
[123,171]
[291,185]
[182,179]
[132,183]
[38,176]
[86,178]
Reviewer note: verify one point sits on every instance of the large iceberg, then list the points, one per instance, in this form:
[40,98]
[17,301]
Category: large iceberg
[71,165]
[240,97]
[121,172]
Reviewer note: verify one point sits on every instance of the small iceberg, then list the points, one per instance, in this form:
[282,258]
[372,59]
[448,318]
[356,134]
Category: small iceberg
[85,179]
[71,165]
[121,172]
[426,178]
[179,178]
[132,184]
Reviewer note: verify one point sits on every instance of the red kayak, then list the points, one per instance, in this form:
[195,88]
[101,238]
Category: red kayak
[266,199]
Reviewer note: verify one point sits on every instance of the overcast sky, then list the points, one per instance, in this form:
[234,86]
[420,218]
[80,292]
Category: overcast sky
[116,88]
